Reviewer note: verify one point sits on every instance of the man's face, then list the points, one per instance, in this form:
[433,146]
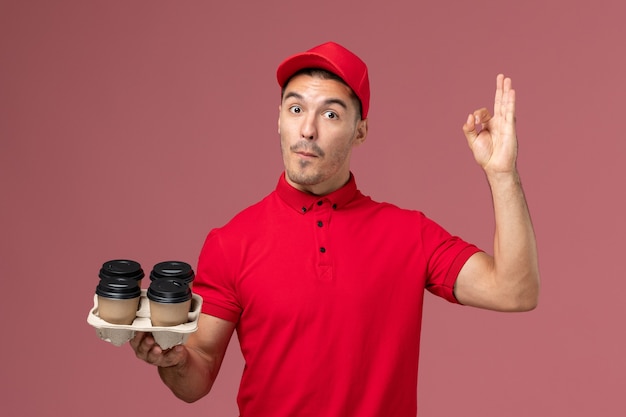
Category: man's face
[318,124]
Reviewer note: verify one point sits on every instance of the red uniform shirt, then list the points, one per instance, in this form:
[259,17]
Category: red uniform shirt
[327,296]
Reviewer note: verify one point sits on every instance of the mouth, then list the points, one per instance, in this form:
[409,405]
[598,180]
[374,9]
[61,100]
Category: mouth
[306,154]
[307,150]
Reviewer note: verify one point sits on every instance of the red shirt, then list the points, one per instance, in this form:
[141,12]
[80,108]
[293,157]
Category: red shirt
[327,295]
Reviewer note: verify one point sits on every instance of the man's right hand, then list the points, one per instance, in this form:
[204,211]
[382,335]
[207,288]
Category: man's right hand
[189,370]
[148,350]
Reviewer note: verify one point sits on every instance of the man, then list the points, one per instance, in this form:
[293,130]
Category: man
[324,285]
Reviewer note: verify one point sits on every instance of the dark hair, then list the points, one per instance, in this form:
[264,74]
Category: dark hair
[324,75]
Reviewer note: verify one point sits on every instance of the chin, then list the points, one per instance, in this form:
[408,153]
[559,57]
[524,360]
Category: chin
[302,178]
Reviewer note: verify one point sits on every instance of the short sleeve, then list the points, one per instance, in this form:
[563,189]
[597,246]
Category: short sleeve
[445,256]
[216,282]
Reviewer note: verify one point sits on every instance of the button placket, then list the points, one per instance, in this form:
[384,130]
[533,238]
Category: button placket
[322,211]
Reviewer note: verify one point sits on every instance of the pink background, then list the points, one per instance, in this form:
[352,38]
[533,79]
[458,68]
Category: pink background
[131,128]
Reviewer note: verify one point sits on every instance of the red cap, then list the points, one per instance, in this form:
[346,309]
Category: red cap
[335,58]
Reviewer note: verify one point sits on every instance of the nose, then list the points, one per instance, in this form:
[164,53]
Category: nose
[308,129]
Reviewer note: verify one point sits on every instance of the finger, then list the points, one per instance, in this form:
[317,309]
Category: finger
[136,340]
[506,95]
[166,358]
[149,351]
[510,106]
[174,356]
[473,126]
[482,119]
[482,116]
[154,355]
[476,121]
[469,127]
[497,101]
[142,344]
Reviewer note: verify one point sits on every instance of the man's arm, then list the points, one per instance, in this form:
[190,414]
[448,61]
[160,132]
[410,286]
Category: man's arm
[508,280]
[189,370]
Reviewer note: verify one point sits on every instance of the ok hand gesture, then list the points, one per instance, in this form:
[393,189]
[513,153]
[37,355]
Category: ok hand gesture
[492,139]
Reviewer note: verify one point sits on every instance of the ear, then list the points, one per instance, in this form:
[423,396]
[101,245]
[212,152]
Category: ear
[361,131]
[279,110]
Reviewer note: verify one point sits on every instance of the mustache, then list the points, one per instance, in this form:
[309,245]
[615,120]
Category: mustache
[307,147]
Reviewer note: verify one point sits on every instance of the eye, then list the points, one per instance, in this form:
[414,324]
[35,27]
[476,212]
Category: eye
[295,109]
[330,115]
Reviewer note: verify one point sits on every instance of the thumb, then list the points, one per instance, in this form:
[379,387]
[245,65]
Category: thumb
[174,356]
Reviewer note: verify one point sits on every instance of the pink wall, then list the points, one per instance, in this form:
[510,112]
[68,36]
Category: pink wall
[131,128]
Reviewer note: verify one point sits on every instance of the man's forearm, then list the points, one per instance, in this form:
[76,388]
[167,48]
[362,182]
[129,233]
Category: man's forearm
[515,250]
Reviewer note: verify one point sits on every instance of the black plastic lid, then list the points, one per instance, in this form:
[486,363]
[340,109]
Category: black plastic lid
[119,288]
[169,290]
[172,269]
[122,268]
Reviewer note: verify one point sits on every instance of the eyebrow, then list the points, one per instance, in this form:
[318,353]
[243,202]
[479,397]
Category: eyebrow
[326,102]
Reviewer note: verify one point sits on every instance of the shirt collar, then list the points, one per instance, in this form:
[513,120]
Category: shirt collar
[303,202]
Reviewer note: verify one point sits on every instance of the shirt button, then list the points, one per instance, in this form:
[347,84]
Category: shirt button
[304,209]
[334,206]
[320,223]
[319,203]
[323,249]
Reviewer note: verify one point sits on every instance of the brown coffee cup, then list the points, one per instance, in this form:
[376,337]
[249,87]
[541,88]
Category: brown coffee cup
[170,301]
[118,299]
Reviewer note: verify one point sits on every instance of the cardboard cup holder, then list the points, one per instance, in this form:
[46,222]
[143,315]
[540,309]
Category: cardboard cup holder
[165,337]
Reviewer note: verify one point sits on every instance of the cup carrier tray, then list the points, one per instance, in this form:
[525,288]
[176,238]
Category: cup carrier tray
[165,337]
